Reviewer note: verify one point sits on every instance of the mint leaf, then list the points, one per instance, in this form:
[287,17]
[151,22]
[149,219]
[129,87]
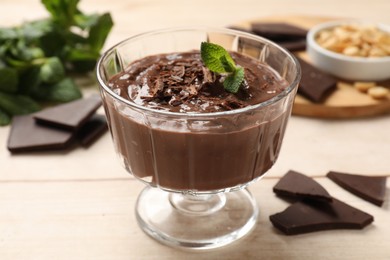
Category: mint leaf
[29,81]
[5,119]
[52,70]
[17,104]
[99,31]
[62,11]
[218,60]
[8,34]
[82,60]
[233,81]
[64,91]
[32,31]
[228,64]
[8,80]
[21,51]
[85,21]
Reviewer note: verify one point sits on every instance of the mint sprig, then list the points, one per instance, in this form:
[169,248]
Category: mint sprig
[218,60]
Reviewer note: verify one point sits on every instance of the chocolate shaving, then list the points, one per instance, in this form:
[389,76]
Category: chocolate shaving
[179,81]
[231,104]
[208,76]
[177,78]
[178,71]
[167,92]
[175,102]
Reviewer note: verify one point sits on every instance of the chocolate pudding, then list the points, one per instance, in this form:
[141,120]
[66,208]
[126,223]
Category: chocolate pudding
[185,132]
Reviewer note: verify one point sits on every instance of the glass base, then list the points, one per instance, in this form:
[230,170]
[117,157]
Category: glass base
[196,221]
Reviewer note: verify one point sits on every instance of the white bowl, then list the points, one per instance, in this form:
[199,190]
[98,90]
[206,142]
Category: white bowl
[343,66]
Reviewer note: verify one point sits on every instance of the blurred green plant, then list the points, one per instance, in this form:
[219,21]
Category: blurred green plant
[37,57]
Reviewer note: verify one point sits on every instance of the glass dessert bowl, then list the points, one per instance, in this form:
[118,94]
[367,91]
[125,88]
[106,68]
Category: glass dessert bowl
[196,164]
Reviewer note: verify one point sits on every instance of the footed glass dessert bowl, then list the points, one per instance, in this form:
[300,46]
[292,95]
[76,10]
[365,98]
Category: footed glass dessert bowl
[196,147]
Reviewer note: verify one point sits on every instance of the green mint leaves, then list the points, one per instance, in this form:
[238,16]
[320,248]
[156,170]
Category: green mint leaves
[218,60]
[38,57]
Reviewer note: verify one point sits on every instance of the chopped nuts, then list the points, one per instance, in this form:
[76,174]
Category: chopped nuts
[351,51]
[364,86]
[355,40]
[374,91]
[378,92]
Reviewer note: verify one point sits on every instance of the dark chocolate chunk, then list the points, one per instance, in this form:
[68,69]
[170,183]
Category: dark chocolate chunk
[293,45]
[309,216]
[26,135]
[278,31]
[294,184]
[370,188]
[290,43]
[71,115]
[92,130]
[315,84]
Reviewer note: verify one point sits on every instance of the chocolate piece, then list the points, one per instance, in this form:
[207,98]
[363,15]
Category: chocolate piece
[370,188]
[298,185]
[293,45]
[278,31]
[305,216]
[92,130]
[26,136]
[315,84]
[71,115]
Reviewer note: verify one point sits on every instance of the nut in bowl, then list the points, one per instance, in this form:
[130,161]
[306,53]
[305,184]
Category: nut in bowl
[351,49]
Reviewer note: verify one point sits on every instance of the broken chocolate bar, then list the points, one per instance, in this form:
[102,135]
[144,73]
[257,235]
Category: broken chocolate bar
[370,188]
[26,136]
[71,115]
[278,31]
[309,216]
[315,84]
[298,185]
[92,129]
[293,45]
[56,127]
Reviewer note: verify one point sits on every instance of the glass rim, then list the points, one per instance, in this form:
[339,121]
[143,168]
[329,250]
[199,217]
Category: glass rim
[291,86]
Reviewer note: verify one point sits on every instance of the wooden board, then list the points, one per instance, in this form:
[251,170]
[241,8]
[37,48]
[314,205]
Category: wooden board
[345,101]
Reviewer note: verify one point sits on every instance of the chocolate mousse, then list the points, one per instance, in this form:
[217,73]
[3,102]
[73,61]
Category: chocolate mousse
[179,82]
[187,149]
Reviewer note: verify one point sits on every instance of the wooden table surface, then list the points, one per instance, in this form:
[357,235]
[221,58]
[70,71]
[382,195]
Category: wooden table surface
[80,204]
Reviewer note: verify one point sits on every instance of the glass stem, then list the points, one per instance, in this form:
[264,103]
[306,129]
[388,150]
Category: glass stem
[199,205]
